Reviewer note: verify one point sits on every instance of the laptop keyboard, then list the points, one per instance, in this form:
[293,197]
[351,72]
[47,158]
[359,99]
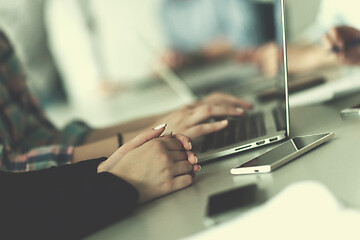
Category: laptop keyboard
[239,129]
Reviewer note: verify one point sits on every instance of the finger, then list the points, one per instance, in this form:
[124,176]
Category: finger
[191,157]
[186,141]
[144,137]
[327,42]
[238,101]
[206,112]
[196,168]
[232,100]
[176,156]
[168,134]
[180,182]
[182,168]
[338,40]
[335,40]
[206,128]
[132,144]
[172,144]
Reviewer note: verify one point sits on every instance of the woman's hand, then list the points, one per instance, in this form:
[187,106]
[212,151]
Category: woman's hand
[191,120]
[156,167]
[266,57]
[140,140]
[219,98]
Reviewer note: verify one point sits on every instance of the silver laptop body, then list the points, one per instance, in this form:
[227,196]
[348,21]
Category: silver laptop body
[275,114]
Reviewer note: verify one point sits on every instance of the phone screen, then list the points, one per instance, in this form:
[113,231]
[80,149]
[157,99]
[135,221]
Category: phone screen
[282,151]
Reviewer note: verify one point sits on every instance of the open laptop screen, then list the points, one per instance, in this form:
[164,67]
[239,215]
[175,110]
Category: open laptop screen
[277,69]
[280,26]
[234,46]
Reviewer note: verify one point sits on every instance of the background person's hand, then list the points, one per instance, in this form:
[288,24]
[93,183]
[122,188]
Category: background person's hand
[337,39]
[266,57]
[157,167]
[224,99]
[191,120]
[172,58]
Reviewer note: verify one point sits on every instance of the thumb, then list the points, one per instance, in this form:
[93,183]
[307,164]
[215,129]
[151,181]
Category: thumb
[132,144]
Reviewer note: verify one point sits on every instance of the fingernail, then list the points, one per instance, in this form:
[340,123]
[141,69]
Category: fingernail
[224,122]
[239,110]
[190,145]
[160,126]
[199,168]
[196,159]
[167,134]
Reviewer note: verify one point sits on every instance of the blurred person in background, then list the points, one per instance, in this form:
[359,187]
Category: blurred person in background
[101,47]
[308,51]
[205,30]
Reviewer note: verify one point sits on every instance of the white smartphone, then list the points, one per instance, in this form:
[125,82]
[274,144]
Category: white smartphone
[282,154]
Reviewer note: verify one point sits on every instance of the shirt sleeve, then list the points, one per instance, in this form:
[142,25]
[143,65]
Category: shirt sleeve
[36,159]
[66,202]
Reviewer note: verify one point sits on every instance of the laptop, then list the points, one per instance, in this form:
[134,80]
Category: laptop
[267,125]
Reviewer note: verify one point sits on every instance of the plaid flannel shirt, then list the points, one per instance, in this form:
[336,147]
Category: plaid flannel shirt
[28,140]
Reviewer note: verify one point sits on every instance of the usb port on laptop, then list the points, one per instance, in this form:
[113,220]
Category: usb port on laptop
[260,142]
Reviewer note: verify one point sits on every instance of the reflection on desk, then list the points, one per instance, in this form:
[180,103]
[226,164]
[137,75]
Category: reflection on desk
[305,210]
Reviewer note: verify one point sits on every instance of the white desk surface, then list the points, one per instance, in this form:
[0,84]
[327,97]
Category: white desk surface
[336,164]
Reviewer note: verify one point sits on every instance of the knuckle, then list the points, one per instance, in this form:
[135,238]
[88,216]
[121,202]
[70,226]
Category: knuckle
[165,159]
[167,174]
[203,128]
[187,180]
[189,167]
[207,110]
[157,144]
[230,110]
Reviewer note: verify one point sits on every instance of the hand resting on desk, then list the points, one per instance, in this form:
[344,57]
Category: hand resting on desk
[154,165]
